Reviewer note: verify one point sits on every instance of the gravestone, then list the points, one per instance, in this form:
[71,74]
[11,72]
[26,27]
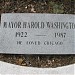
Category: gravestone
[29,33]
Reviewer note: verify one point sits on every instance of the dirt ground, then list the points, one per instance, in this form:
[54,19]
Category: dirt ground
[38,6]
